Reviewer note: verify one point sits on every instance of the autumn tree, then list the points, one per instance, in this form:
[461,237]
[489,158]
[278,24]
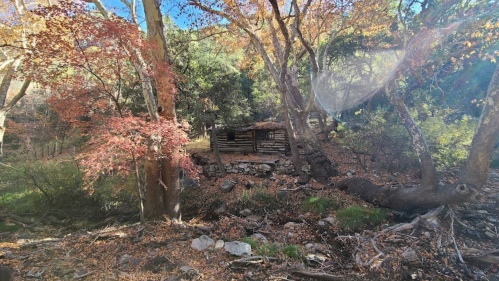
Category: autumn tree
[283,34]
[428,44]
[16,23]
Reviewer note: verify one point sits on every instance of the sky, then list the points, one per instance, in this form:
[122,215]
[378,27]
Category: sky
[168,7]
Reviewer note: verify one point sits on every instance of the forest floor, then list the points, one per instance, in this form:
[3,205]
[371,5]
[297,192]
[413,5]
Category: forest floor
[294,236]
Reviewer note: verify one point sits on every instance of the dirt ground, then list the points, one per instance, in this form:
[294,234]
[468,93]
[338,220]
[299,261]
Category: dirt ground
[299,243]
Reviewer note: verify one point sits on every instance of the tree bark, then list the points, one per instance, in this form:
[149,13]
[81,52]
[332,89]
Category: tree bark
[215,148]
[166,109]
[475,169]
[409,198]
[428,172]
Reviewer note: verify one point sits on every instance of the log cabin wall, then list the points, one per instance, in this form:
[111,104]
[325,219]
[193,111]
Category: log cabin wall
[271,141]
[237,141]
[250,141]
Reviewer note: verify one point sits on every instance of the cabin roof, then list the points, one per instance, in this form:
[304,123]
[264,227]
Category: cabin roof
[255,126]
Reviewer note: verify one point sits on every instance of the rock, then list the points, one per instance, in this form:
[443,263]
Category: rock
[282,194]
[260,237]
[220,210]
[330,220]
[125,258]
[5,273]
[245,212]
[254,218]
[219,245]
[227,186]
[238,248]
[309,246]
[411,257]
[349,175]
[352,171]
[322,223]
[190,183]
[186,268]
[265,167]
[202,243]
[290,224]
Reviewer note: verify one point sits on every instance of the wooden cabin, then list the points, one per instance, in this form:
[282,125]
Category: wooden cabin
[261,137]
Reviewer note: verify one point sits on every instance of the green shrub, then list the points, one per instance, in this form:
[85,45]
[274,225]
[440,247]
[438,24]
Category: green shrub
[293,251]
[319,205]
[270,250]
[253,242]
[356,217]
[378,136]
[448,140]
[258,198]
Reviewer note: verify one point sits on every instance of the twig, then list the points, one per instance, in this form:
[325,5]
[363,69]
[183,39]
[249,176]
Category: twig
[466,270]
[83,275]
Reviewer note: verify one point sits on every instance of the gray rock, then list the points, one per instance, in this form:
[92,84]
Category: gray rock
[265,167]
[5,273]
[125,258]
[245,212]
[322,223]
[227,186]
[238,248]
[330,220]
[282,194]
[411,257]
[260,237]
[202,243]
[219,245]
[349,175]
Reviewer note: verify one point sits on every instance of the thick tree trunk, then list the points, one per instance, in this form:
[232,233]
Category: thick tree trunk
[409,198]
[475,170]
[166,109]
[295,153]
[320,166]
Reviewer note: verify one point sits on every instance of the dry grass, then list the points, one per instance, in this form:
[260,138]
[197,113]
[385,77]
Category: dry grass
[199,145]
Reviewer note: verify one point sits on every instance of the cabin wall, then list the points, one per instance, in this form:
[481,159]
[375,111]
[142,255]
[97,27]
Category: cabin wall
[277,145]
[246,142]
[243,142]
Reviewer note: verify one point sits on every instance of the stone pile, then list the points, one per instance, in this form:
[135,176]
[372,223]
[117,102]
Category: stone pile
[253,169]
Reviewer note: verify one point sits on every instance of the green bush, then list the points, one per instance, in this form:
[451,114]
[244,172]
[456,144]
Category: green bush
[270,250]
[293,251]
[258,198]
[356,217]
[378,136]
[449,141]
[319,205]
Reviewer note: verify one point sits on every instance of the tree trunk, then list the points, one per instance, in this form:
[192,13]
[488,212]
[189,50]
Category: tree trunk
[475,169]
[320,166]
[4,110]
[428,172]
[166,108]
[215,149]
[295,153]
[409,198]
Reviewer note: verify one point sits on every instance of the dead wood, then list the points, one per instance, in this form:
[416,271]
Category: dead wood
[319,275]
[252,260]
[482,256]
[410,198]
[45,241]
